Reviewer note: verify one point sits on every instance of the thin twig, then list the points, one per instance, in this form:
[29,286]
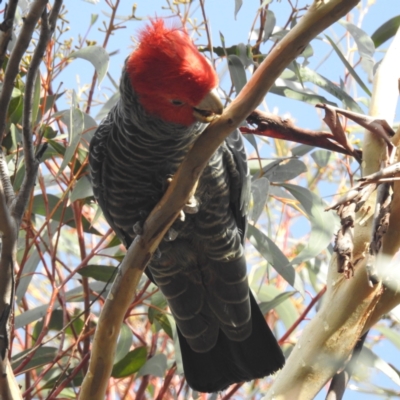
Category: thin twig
[7,28]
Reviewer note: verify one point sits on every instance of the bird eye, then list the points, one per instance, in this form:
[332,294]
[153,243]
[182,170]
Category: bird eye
[177,102]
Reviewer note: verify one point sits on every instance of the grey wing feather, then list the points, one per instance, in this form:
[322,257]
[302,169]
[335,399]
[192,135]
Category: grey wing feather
[97,158]
[235,144]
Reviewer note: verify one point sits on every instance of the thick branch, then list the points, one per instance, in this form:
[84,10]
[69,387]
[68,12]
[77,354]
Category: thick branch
[320,16]
[48,24]
[18,52]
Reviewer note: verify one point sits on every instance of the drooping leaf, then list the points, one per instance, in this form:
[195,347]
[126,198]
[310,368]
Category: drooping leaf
[108,105]
[284,170]
[323,223]
[100,273]
[75,125]
[271,252]
[370,359]
[131,363]
[280,298]
[155,366]
[269,25]
[386,31]
[82,189]
[295,91]
[238,5]
[269,294]
[365,45]
[98,56]
[321,157]
[56,323]
[259,194]
[124,343]
[349,67]
[39,207]
[43,355]
[237,72]
[308,75]
[390,334]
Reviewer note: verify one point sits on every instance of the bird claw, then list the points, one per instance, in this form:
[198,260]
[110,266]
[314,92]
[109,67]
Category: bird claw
[171,235]
[138,228]
[192,206]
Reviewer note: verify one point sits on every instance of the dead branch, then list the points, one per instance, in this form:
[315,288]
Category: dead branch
[273,126]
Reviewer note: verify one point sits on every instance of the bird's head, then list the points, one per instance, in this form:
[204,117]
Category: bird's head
[171,78]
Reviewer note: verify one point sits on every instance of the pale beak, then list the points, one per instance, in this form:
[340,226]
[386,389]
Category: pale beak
[209,107]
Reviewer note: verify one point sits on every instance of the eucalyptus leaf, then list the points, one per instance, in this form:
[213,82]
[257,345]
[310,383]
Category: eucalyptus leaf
[130,364]
[386,31]
[96,55]
[259,193]
[155,366]
[269,294]
[323,223]
[125,340]
[82,189]
[271,252]
[370,359]
[237,72]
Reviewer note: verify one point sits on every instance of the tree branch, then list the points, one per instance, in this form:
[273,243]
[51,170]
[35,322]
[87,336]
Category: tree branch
[321,15]
[18,52]
[48,24]
[7,28]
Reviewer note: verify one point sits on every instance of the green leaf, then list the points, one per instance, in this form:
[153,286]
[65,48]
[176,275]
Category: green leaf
[164,322]
[271,305]
[389,334]
[270,22]
[370,359]
[39,207]
[323,223]
[75,130]
[82,189]
[259,194]
[308,75]
[32,262]
[48,132]
[293,90]
[349,67]
[386,31]
[98,56]
[269,295]
[43,355]
[130,364]
[100,273]
[108,105]
[271,252]
[284,170]
[238,5]
[49,102]
[155,366]
[57,324]
[237,72]
[125,341]
[321,157]
[364,43]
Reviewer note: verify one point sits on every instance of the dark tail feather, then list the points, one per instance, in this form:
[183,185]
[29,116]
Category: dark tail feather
[231,362]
